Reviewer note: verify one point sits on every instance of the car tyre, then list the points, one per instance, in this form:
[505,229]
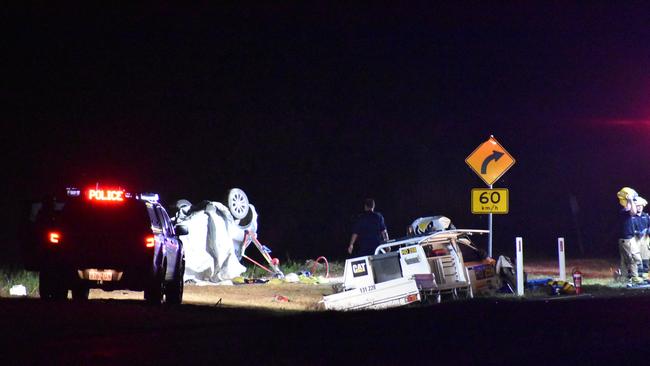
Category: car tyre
[153,294]
[50,287]
[80,293]
[246,220]
[237,203]
[174,289]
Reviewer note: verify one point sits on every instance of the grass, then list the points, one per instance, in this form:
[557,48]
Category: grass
[293,266]
[11,276]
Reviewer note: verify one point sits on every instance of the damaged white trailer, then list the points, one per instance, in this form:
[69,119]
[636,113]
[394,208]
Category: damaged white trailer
[218,237]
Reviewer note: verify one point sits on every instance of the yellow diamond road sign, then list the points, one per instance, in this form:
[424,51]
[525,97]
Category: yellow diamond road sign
[490,161]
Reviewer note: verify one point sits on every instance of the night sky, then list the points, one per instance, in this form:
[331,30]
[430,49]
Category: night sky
[311,107]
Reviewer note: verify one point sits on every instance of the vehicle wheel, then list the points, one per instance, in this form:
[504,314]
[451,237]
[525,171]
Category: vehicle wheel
[174,289]
[247,219]
[237,203]
[156,289]
[510,278]
[50,286]
[80,293]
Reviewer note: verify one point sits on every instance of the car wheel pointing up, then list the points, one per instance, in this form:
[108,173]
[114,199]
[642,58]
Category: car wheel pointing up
[237,203]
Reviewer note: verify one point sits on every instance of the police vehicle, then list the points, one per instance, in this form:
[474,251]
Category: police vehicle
[107,238]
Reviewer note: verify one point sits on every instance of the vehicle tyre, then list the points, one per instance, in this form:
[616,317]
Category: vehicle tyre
[153,294]
[246,220]
[510,278]
[174,289]
[237,203]
[50,286]
[80,293]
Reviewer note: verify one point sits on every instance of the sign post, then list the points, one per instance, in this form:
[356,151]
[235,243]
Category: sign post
[490,161]
[490,229]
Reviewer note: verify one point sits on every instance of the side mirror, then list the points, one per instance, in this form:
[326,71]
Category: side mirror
[181,230]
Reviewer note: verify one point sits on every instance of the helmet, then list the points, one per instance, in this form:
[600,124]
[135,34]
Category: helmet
[624,193]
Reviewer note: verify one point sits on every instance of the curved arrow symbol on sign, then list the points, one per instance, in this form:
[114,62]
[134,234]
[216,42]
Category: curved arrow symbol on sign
[496,155]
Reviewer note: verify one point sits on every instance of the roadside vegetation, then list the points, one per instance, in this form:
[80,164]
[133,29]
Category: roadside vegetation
[598,279]
[294,266]
[12,275]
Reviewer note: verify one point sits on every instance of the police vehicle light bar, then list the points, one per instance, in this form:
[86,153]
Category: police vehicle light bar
[151,197]
[73,192]
[114,195]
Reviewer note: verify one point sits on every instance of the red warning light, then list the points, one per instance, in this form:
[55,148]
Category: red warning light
[54,237]
[115,195]
[149,241]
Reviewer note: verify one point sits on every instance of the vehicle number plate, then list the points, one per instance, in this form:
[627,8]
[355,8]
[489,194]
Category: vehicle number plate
[95,275]
[367,289]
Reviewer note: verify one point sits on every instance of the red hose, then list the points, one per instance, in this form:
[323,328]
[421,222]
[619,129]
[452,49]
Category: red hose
[327,266]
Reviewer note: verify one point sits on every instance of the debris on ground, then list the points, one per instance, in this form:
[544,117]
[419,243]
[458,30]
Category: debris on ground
[18,290]
[561,288]
[638,285]
[244,281]
[549,286]
[308,279]
[280,298]
[300,277]
[291,278]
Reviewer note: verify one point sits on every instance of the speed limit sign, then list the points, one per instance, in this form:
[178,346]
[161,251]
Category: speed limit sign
[487,201]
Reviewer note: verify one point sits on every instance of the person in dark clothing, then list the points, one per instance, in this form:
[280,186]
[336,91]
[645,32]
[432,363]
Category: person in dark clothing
[641,224]
[369,230]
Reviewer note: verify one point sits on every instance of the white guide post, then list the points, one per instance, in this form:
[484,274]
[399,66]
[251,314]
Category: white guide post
[560,255]
[520,266]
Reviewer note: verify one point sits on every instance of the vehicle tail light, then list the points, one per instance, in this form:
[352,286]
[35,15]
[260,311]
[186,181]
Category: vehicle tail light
[149,241]
[411,298]
[53,237]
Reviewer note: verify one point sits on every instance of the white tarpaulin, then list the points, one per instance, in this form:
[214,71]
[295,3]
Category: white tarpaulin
[214,242]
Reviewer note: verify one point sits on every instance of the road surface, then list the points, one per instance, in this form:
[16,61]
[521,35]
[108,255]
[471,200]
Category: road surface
[480,331]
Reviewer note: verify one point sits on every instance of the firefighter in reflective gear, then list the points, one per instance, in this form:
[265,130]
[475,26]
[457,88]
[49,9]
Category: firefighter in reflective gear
[628,246]
[641,232]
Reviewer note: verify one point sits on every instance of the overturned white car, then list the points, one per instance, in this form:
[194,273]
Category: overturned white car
[218,237]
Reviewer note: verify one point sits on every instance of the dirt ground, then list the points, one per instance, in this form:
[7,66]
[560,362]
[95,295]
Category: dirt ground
[285,296]
[600,269]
